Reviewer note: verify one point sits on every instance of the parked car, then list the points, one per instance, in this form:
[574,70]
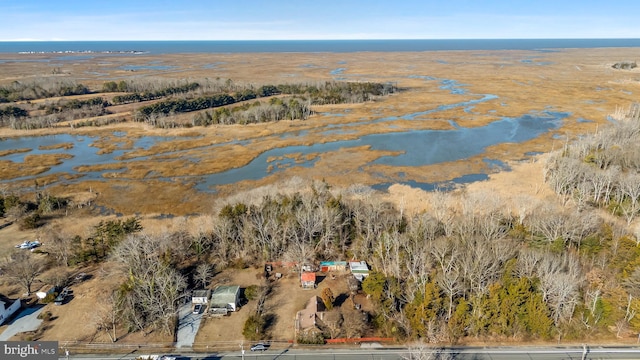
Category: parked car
[197,309]
[260,347]
[59,300]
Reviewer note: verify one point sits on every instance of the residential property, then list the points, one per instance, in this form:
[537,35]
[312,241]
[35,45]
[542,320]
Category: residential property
[307,318]
[200,297]
[8,308]
[359,269]
[308,280]
[224,299]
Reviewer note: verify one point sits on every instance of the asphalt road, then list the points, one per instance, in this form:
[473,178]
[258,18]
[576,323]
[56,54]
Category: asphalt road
[463,353]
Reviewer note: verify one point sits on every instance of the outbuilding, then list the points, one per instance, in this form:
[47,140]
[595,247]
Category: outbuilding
[359,269]
[200,297]
[326,266]
[308,280]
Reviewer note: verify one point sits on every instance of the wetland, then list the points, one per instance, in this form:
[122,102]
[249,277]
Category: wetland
[457,114]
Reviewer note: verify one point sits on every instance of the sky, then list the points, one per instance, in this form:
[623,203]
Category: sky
[78,20]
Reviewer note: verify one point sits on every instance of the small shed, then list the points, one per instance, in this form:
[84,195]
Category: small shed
[46,291]
[225,299]
[326,266]
[359,269]
[308,280]
[200,296]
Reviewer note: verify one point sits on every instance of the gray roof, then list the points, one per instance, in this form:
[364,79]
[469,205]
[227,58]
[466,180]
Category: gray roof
[201,293]
[223,295]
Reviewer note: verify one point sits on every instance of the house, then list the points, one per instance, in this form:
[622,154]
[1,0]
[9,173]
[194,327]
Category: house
[359,269]
[8,308]
[308,280]
[326,266]
[224,299]
[308,317]
[200,297]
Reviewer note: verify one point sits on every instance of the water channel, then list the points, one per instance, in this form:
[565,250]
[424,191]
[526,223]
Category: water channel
[415,148]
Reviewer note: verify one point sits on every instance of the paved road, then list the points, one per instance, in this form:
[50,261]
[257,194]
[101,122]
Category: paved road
[26,320]
[188,325]
[501,353]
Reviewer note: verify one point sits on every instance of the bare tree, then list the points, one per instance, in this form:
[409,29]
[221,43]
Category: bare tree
[560,281]
[60,245]
[421,351]
[107,314]
[332,321]
[153,287]
[204,272]
[630,187]
[23,268]
[354,322]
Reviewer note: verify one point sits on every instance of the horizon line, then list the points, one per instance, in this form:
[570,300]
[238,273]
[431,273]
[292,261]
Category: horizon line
[328,39]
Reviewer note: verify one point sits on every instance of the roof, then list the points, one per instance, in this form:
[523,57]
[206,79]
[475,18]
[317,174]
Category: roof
[333,263]
[223,295]
[308,276]
[359,267]
[200,293]
[307,316]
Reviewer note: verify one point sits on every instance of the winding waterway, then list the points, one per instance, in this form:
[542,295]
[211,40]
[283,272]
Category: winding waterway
[413,148]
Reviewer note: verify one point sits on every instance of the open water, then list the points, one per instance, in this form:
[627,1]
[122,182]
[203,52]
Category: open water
[169,47]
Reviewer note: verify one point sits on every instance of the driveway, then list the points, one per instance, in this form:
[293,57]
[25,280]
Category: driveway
[188,324]
[26,320]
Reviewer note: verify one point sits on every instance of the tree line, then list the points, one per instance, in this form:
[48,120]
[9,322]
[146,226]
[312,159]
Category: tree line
[40,89]
[148,95]
[275,109]
[325,93]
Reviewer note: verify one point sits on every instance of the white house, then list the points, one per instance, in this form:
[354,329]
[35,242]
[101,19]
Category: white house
[8,308]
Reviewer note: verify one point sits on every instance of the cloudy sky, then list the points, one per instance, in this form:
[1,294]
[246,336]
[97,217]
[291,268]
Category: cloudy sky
[316,19]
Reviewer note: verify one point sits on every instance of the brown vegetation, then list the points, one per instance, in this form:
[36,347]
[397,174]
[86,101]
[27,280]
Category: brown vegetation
[505,261]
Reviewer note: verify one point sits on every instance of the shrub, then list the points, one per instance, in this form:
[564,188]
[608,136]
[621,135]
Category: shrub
[315,338]
[30,221]
[45,315]
[252,292]
[254,327]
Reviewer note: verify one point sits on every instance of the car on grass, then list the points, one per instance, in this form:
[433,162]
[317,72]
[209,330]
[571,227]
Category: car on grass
[260,347]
